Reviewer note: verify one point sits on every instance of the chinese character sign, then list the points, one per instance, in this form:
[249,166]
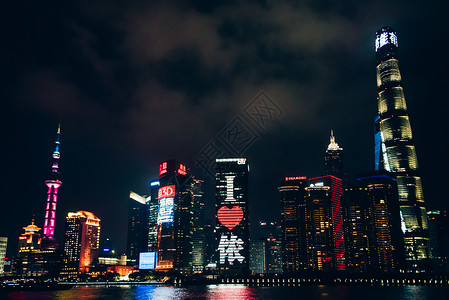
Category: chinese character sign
[229,248]
[232,215]
[166,196]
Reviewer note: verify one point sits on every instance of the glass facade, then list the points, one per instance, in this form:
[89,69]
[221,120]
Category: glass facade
[372,224]
[392,98]
[355,210]
[3,245]
[175,217]
[152,206]
[396,152]
[137,240]
[82,242]
[320,243]
[293,238]
[387,72]
[198,237]
[324,224]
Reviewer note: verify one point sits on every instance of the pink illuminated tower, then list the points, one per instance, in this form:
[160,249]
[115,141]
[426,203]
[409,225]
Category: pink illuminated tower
[53,183]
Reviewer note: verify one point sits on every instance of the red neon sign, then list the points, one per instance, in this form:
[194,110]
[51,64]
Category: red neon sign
[230,217]
[162,168]
[22,237]
[166,191]
[182,170]
[338,222]
[295,178]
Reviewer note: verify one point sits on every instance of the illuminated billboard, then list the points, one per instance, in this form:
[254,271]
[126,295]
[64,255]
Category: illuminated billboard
[182,170]
[295,178]
[386,38]
[229,248]
[166,207]
[230,245]
[147,260]
[232,216]
[172,166]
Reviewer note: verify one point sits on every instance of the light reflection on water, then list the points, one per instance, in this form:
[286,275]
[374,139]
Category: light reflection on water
[218,292]
[221,292]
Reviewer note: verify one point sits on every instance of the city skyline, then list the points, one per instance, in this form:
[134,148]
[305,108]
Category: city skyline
[123,111]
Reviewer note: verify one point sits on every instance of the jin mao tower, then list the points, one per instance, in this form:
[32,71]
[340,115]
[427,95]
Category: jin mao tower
[333,159]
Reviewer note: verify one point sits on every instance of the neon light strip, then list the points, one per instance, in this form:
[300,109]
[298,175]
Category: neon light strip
[50,214]
[336,189]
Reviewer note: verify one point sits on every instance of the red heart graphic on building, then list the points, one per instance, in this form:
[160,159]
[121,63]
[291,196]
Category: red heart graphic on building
[230,217]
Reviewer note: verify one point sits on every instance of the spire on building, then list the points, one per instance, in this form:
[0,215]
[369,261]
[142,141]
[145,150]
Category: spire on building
[31,229]
[53,184]
[333,159]
[56,153]
[333,145]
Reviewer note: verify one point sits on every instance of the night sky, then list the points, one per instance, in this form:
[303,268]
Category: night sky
[138,82]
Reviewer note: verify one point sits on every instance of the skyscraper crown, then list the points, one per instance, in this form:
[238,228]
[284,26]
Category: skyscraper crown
[386,36]
[333,145]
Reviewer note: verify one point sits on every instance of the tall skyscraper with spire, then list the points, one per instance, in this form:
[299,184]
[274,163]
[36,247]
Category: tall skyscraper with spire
[333,159]
[53,183]
[395,149]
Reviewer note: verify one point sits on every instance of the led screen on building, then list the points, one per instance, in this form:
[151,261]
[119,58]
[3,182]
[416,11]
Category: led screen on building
[232,216]
[147,260]
[386,38]
[166,208]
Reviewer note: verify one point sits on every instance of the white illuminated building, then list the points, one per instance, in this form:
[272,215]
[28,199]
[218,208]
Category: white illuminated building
[3,245]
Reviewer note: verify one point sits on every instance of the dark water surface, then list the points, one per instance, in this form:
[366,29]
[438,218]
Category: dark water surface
[143,292]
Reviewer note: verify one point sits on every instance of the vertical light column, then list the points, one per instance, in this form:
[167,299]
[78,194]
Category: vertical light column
[53,184]
[50,211]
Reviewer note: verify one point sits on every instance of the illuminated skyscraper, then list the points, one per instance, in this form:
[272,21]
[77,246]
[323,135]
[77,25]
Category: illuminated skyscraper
[198,237]
[142,223]
[395,149]
[232,225]
[293,237]
[325,246]
[3,245]
[137,240]
[373,237]
[257,256]
[386,245]
[355,211]
[82,242]
[152,216]
[333,159]
[53,183]
[273,256]
[439,238]
[29,241]
[31,259]
[175,217]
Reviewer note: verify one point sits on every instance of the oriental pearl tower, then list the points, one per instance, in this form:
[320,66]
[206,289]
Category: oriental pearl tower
[53,183]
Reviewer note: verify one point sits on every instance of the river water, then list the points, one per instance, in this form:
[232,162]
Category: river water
[144,292]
